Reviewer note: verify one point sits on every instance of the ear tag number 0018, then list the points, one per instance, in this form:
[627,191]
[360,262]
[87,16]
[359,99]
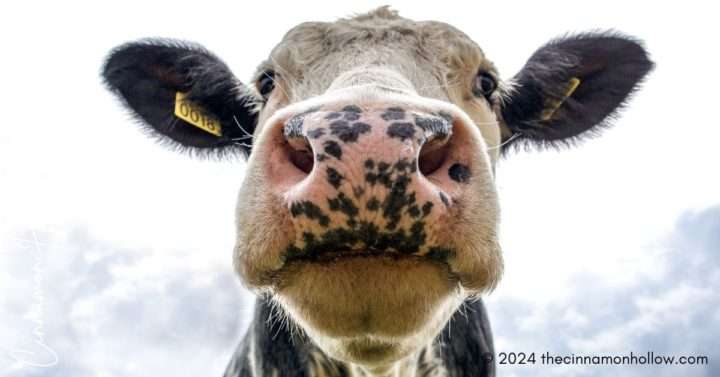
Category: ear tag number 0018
[194,115]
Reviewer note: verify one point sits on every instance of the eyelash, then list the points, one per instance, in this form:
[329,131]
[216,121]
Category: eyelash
[484,85]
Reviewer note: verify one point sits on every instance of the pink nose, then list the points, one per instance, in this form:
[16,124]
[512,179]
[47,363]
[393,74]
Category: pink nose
[371,180]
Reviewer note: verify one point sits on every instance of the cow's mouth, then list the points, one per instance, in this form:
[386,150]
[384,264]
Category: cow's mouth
[332,262]
[437,255]
[350,295]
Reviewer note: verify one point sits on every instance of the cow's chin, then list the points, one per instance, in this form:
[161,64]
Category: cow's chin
[369,310]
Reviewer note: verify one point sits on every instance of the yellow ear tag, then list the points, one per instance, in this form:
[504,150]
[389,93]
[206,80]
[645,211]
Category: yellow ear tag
[195,115]
[553,105]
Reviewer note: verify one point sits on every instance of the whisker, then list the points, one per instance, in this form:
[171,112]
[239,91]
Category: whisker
[244,145]
[513,137]
[241,138]
[247,134]
[282,72]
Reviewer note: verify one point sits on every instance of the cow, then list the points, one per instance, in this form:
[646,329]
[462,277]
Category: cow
[367,221]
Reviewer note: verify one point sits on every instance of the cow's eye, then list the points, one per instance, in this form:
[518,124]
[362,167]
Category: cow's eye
[266,83]
[484,85]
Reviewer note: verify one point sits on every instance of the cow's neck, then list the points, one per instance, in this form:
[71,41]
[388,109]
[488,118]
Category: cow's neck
[423,363]
[270,349]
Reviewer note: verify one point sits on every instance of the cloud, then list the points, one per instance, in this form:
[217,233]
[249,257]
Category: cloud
[109,310]
[673,311]
[106,310]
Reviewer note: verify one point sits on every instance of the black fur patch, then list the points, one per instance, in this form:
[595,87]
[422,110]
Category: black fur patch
[467,345]
[393,113]
[373,204]
[383,173]
[406,165]
[351,116]
[427,208]
[333,115]
[333,148]
[346,132]
[334,177]
[401,130]
[316,133]
[352,109]
[459,173]
[364,233]
[343,204]
[310,210]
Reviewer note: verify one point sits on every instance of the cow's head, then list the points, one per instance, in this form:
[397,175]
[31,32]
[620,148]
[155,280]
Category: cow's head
[369,210]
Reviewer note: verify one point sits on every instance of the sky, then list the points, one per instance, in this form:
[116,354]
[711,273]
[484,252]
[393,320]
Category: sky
[115,254]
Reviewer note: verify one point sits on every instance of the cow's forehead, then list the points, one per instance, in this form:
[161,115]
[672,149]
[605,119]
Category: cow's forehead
[427,52]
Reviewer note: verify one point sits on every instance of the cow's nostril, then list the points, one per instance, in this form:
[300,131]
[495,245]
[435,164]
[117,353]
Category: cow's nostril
[300,154]
[433,155]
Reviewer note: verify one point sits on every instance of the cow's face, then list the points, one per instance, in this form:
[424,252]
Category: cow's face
[369,210]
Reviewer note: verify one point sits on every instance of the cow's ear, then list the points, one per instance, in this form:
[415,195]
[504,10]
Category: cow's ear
[182,93]
[572,87]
